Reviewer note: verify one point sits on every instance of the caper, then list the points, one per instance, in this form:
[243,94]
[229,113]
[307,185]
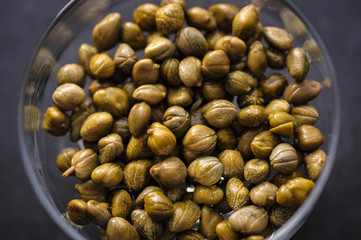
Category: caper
[182,96]
[254,237]
[249,220]
[120,229]
[98,212]
[237,193]
[185,215]
[145,225]
[144,16]
[213,90]
[264,194]
[219,113]
[177,120]
[169,71]
[305,114]
[301,92]
[245,140]
[226,139]
[278,38]
[138,147]
[125,58]
[245,22]
[213,37]
[182,3]
[294,192]
[256,170]
[237,66]
[136,174]
[257,59]
[284,158]
[239,83]
[96,85]
[68,96]
[279,215]
[297,63]
[121,204]
[225,231]
[108,175]
[85,53]
[56,122]
[190,71]
[191,42]
[110,147]
[273,86]
[169,18]
[308,138]
[160,49]
[78,117]
[254,97]
[63,159]
[158,206]
[113,100]
[234,47]
[145,71]
[209,221]
[252,116]
[233,163]
[222,206]
[263,143]
[133,35]
[176,193]
[205,170]
[224,14]
[170,172]
[280,179]
[255,36]
[208,195]
[215,64]
[278,105]
[102,66]
[138,119]
[96,125]
[315,161]
[275,58]
[201,18]
[161,140]
[71,73]
[150,93]
[89,190]
[83,163]
[121,127]
[77,213]
[282,123]
[158,112]
[107,32]
[189,234]
[140,199]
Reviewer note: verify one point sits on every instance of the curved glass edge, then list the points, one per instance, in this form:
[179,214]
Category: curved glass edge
[295,222]
[46,202]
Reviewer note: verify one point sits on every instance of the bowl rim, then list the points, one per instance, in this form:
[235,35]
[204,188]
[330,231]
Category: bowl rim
[294,223]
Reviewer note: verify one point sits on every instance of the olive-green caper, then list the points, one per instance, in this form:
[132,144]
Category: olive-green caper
[219,113]
[158,112]
[133,35]
[145,71]
[110,147]
[150,93]
[254,237]
[189,234]
[144,16]
[279,215]
[234,47]
[182,96]
[233,163]
[294,192]
[107,32]
[239,83]
[200,18]
[71,73]
[254,97]
[237,66]
[278,38]
[113,100]
[273,86]
[222,206]
[308,138]
[263,143]
[169,18]
[297,63]
[160,49]
[226,139]
[257,59]
[301,92]
[139,201]
[138,119]
[191,42]
[249,220]
[96,85]
[224,14]
[280,179]
[121,127]
[237,193]
[245,140]
[208,195]
[145,225]
[255,36]
[209,221]
[225,231]
[63,159]
[153,35]
[256,170]
[305,114]
[182,3]
[278,105]
[98,212]
[56,122]
[213,37]
[275,58]
[83,163]
[284,158]
[315,161]
[245,21]
[121,204]
[158,206]
[282,123]
[78,117]
[169,71]
[120,229]
[215,64]
[177,120]
[85,53]
[138,147]
[176,193]
[252,116]
[264,194]
[205,170]
[125,58]
[185,215]
[96,125]
[77,213]
[101,66]
[136,174]
[68,96]
[108,175]
[161,140]
[213,90]
[170,172]
[190,71]
[89,190]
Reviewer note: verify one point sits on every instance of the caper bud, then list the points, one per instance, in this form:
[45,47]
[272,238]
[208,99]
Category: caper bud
[305,114]
[225,231]
[170,172]
[201,18]
[219,113]
[275,58]
[308,138]
[213,37]
[280,179]
[255,36]
[77,213]
[189,234]
[158,206]
[96,125]
[169,18]
[239,83]
[107,32]
[102,66]
[138,119]
[158,112]
[113,100]
[233,163]
[150,93]
[205,170]
[71,73]
[278,105]
[153,35]
[182,96]
[208,195]
[257,59]
[278,38]
[182,3]
[252,116]
[256,170]
[145,71]
[294,192]
[297,63]
[237,194]
[132,34]
[284,158]
[191,42]
[254,237]
[213,90]
[68,96]
[120,229]
[254,97]
[190,71]
[215,64]
[145,225]
[82,163]
[108,175]
[176,193]
[226,139]
[209,221]
[136,174]
[125,58]
[279,215]
[160,49]
[224,14]
[144,16]
[138,147]
[301,92]
[56,122]
[121,127]
[63,159]
[85,53]
[249,220]
[234,47]
[185,215]
[169,71]
[264,194]
[78,117]
[245,22]
[121,204]
[273,86]
[110,147]
[96,85]
[315,161]
[98,212]
[237,66]
[245,140]
[161,140]
[177,120]
[282,123]
[263,143]
[90,190]
[140,199]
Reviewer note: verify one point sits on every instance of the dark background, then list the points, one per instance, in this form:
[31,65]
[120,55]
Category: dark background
[338,212]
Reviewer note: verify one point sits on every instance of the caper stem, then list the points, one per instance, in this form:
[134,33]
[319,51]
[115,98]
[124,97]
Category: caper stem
[68,172]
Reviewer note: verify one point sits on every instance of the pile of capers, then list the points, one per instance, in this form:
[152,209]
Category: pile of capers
[181,144]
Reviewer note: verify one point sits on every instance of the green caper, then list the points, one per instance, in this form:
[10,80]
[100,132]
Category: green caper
[96,85]
[208,195]
[138,147]
[150,93]
[125,58]
[201,18]
[133,35]
[305,114]
[169,172]
[136,174]
[185,215]
[120,229]
[252,116]
[68,96]
[138,119]
[273,86]
[284,158]
[209,221]
[182,96]
[226,139]
[89,190]
[301,92]
[239,83]
[77,212]
[85,53]
[237,193]
[98,212]
[280,179]
[191,42]
[169,71]
[161,140]
[224,14]
[177,120]
[107,32]
[278,38]
[121,204]
[113,100]
[275,58]
[315,161]
[297,63]
[83,163]
[233,163]
[96,125]
[158,206]
[245,21]
[145,225]
[102,66]
[245,140]
[249,220]
[176,193]
[160,49]
[294,192]
[140,199]
[263,143]
[144,16]
[234,47]
[213,90]
[264,194]
[78,117]
[219,113]
[308,138]
[63,159]
[108,175]
[56,122]
[190,71]
[257,59]
[145,71]
[215,64]
[205,170]
[71,73]
[278,105]
[110,147]
[256,170]
[225,231]
[254,97]
[279,215]
[121,127]
[213,37]
[169,18]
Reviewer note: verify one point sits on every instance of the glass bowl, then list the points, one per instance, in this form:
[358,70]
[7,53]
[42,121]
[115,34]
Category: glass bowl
[59,45]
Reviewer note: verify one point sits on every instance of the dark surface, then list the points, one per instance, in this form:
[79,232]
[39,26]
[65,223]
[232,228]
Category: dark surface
[336,216]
